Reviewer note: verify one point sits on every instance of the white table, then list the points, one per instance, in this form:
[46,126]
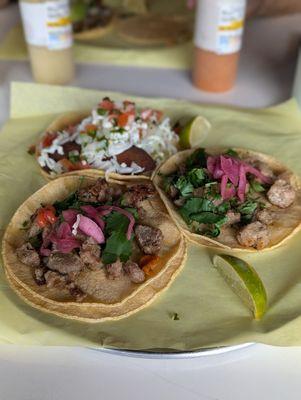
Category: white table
[258,372]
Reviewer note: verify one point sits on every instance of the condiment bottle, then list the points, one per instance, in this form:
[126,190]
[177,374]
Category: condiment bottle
[48,34]
[217,42]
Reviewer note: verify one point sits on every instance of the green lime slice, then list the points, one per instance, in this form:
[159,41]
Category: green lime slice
[194,133]
[244,281]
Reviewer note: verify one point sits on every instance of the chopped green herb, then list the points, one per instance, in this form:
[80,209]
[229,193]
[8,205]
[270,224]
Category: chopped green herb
[117,246]
[247,210]
[256,186]
[197,177]
[197,158]
[36,241]
[73,157]
[184,186]
[175,316]
[101,111]
[232,153]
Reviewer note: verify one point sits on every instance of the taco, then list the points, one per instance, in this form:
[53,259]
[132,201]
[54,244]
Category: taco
[116,138]
[231,198]
[92,250]
[90,19]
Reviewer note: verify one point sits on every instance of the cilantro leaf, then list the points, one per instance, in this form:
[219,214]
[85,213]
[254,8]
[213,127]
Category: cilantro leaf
[247,210]
[232,153]
[116,222]
[117,246]
[184,186]
[207,217]
[197,158]
[256,186]
[197,177]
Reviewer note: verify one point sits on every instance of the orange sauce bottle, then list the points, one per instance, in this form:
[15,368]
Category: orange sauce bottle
[217,43]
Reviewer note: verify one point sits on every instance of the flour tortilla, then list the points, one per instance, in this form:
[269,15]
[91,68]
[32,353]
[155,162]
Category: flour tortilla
[287,221]
[63,122]
[155,29]
[118,298]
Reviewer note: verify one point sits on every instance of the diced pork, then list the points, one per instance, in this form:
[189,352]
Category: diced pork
[28,255]
[149,239]
[281,194]
[265,216]
[134,272]
[101,191]
[55,280]
[137,193]
[114,270]
[232,218]
[254,235]
[65,263]
[38,275]
[90,252]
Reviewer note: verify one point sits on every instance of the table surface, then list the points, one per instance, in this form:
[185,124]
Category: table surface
[263,372]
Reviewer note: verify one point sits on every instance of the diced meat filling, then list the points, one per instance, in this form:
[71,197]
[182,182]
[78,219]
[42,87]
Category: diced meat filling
[281,194]
[38,275]
[55,280]
[134,272]
[28,255]
[136,194]
[76,292]
[100,192]
[149,239]
[64,263]
[114,270]
[90,252]
[173,191]
[265,216]
[198,192]
[33,230]
[254,235]
[232,218]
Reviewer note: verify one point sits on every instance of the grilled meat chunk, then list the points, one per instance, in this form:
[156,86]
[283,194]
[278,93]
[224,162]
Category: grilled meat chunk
[76,292]
[149,239]
[134,272]
[64,263]
[232,218]
[38,275]
[101,191]
[114,270]
[139,156]
[55,280]
[281,194]
[136,194]
[265,216]
[90,252]
[28,255]
[254,235]
[173,192]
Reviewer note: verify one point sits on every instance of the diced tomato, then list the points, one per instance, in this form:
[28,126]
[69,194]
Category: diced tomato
[107,104]
[45,216]
[146,113]
[148,263]
[67,164]
[129,106]
[158,114]
[125,119]
[48,139]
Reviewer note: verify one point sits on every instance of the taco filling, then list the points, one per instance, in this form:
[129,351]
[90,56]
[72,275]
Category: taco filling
[100,227]
[115,137]
[87,15]
[229,194]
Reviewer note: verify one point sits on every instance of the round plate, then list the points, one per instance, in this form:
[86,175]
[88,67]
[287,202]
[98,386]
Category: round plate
[163,354]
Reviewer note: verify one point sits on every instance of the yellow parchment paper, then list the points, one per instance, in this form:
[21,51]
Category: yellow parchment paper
[13,47]
[210,314]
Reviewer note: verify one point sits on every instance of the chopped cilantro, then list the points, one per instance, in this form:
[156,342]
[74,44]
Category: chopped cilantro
[175,316]
[197,158]
[184,186]
[117,245]
[36,241]
[247,210]
[73,157]
[197,177]
[232,153]
[101,111]
[256,186]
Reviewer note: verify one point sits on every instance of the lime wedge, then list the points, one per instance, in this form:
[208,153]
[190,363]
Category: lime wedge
[194,133]
[244,281]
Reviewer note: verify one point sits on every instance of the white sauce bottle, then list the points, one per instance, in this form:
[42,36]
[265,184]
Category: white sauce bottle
[48,33]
